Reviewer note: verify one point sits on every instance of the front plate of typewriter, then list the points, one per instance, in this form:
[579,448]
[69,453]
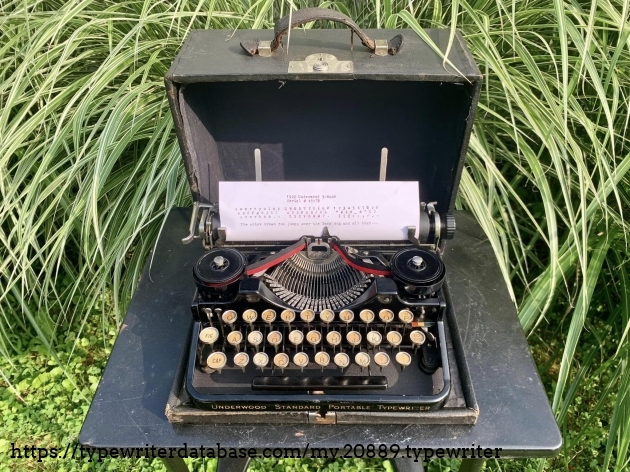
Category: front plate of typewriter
[319,325]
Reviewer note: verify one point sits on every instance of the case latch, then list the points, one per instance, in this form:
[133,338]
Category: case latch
[330,417]
[321,63]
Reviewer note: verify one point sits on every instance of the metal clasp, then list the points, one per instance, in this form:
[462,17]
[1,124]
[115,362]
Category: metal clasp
[321,63]
[381,47]
[330,417]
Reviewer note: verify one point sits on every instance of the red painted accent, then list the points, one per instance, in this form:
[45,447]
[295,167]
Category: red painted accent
[270,262]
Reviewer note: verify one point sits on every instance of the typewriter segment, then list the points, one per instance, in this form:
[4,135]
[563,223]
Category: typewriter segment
[319,324]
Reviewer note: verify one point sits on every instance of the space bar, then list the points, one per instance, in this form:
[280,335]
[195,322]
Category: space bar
[377,382]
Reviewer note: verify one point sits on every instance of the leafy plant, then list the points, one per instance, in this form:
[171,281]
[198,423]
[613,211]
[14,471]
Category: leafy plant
[89,166]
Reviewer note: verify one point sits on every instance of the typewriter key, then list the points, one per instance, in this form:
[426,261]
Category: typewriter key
[374,338]
[274,338]
[281,361]
[288,316]
[353,338]
[386,316]
[406,316]
[417,338]
[217,361]
[322,359]
[296,337]
[255,338]
[334,338]
[327,316]
[229,317]
[268,316]
[235,338]
[342,360]
[301,360]
[261,360]
[367,316]
[362,359]
[346,316]
[250,316]
[307,316]
[394,338]
[381,359]
[209,335]
[404,359]
[241,360]
[314,337]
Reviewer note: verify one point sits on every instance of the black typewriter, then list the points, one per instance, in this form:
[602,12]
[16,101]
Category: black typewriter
[320,321]
[323,328]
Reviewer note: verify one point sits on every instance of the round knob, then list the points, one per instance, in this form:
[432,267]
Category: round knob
[448,226]
[417,262]
[219,261]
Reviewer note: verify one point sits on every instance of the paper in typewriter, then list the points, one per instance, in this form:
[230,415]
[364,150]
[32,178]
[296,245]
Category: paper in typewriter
[282,211]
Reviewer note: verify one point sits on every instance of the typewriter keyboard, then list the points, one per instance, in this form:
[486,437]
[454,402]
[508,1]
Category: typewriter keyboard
[285,342]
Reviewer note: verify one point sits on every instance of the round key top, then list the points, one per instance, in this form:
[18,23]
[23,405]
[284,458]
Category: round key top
[374,338]
[406,316]
[241,360]
[353,338]
[288,316]
[362,359]
[417,337]
[229,317]
[301,360]
[322,359]
[235,338]
[274,338]
[314,337]
[217,361]
[367,316]
[307,316]
[249,316]
[268,316]
[296,337]
[403,358]
[281,361]
[346,316]
[381,359]
[342,360]
[333,338]
[261,360]
[327,316]
[394,338]
[209,335]
[386,316]
[255,338]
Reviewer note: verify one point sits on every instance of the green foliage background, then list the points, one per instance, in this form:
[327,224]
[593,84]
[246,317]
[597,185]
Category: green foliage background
[89,167]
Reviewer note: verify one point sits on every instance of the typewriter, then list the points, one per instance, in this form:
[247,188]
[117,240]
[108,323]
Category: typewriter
[319,326]
[319,322]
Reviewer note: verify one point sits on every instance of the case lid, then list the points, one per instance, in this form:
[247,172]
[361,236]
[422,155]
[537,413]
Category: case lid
[323,125]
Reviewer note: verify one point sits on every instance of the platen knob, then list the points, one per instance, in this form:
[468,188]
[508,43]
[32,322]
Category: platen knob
[448,226]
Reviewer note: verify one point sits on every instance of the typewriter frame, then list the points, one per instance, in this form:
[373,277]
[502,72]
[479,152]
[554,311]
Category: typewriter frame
[325,401]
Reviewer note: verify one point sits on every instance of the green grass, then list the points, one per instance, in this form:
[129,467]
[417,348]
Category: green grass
[89,166]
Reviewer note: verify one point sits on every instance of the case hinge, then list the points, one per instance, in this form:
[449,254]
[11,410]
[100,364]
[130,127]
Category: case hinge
[330,417]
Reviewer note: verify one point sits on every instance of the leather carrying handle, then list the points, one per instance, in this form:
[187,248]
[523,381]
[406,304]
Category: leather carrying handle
[306,15]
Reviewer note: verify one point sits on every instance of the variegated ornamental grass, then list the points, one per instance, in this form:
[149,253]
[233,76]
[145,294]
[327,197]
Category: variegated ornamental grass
[89,165]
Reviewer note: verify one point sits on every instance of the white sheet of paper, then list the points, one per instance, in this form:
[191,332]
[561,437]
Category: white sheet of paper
[263,211]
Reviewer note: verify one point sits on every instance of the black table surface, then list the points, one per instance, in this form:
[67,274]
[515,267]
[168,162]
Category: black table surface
[128,407]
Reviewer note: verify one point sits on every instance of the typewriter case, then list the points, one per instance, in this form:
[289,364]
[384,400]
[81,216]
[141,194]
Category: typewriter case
[324,125]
